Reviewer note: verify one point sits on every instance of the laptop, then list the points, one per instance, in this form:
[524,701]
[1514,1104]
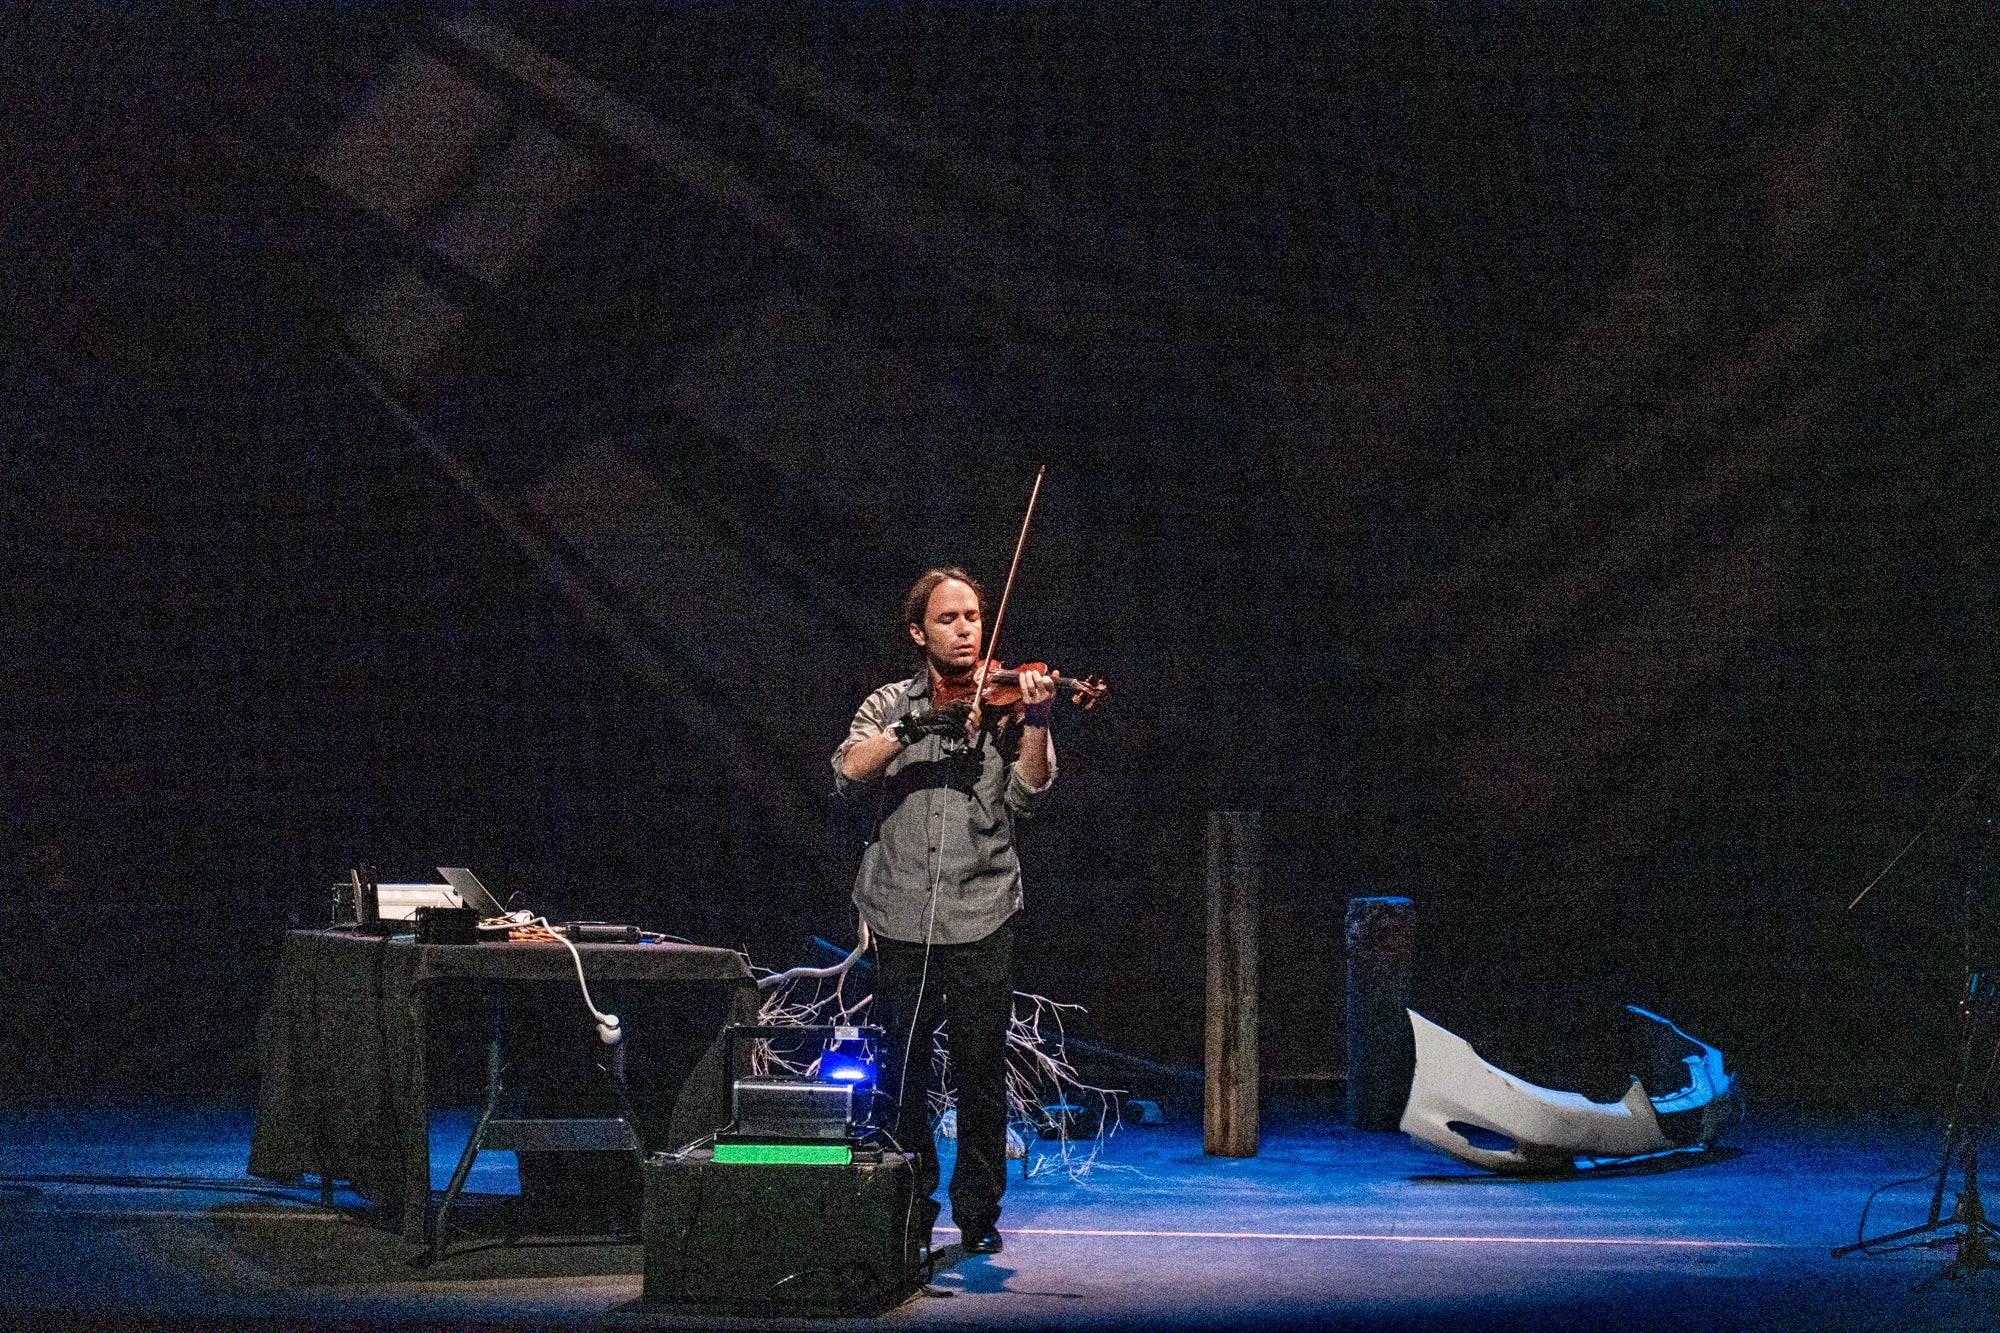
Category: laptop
[471,892]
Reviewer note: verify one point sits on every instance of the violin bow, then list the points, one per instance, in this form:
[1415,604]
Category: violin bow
[1000,616]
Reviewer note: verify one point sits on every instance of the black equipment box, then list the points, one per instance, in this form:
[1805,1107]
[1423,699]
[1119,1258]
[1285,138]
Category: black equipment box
[600,932]
[447,925]
[785,1109]
[781,1237]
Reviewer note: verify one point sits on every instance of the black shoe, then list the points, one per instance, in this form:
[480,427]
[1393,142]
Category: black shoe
[983,1240]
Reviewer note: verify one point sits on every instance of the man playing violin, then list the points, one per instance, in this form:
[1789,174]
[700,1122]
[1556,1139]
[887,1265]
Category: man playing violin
[940,885]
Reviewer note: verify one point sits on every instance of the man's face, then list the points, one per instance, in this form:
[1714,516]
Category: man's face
[950,633]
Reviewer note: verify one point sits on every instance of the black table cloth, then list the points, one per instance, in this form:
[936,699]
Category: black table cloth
[346,1090]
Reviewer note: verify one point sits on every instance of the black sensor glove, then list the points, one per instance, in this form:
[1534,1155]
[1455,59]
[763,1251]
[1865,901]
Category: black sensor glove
[946,721]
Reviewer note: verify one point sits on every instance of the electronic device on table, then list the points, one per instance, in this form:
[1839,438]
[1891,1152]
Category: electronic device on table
[471,893]
[820,1117]
[461,911]
[362,901]
[599,932]
[461,889]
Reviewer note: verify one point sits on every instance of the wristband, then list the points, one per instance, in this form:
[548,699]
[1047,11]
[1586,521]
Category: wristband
[1037,715]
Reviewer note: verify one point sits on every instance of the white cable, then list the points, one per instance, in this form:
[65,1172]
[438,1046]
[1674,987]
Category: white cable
[923,976]
[916,1011]
[806,973]
[608,1030]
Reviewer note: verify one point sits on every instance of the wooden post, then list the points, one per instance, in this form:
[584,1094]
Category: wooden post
[1235,855]
[1381,1050]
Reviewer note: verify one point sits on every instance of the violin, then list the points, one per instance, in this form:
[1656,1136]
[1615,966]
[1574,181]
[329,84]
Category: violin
[1003,687]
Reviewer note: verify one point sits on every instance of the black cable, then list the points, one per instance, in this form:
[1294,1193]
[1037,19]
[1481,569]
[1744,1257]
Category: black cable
[616,1055]
[700,1202]
[193,1184]
[539,1243]
[1861,1241]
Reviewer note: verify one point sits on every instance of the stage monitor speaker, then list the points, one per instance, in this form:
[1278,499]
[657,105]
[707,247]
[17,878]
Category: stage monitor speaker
[783,1237]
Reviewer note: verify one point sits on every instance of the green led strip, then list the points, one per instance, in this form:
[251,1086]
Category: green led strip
[790,1154]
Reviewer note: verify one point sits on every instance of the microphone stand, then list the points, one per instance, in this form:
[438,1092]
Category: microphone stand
[1971,1104]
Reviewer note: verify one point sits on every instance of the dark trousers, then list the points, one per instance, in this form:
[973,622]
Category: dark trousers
[970,988]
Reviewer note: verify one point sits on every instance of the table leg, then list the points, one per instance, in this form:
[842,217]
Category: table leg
[439,1229]
[416,1127]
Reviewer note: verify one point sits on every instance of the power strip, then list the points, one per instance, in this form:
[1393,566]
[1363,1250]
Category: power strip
[599,932]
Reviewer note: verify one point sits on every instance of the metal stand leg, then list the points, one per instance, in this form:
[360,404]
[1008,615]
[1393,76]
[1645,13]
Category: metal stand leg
[439,1227]
[1971,1114]
[503,1133]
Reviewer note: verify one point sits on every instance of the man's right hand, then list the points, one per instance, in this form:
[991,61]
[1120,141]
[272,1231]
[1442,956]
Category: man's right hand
[946,721]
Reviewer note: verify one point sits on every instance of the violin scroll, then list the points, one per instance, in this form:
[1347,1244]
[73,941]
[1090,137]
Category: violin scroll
[1084,691]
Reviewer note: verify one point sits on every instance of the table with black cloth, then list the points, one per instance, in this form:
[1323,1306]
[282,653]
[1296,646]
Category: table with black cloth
[346,1088]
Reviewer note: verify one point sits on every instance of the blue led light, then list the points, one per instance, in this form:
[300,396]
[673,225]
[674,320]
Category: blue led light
[851,1060]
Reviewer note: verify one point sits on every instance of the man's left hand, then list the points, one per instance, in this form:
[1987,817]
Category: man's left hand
[1037,689]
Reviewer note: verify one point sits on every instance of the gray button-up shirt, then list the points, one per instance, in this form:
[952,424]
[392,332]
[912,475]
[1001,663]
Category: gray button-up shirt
[945,816]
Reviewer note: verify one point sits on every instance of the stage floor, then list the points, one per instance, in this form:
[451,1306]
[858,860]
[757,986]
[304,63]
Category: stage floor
[1327,1228]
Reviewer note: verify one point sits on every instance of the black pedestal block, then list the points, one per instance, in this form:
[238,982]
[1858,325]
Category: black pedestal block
[774,1238]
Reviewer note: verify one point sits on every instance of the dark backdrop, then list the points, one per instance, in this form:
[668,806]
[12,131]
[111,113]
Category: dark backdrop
[1543,462]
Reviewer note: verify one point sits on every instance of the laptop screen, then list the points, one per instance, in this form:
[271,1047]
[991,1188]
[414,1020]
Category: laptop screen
[471,890]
